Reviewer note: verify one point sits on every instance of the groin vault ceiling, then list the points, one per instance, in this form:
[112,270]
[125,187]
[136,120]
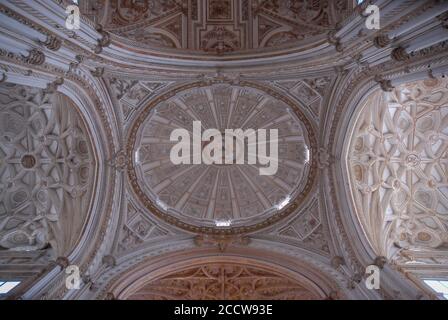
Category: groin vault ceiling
[398,160]
[87,179]
[47,171]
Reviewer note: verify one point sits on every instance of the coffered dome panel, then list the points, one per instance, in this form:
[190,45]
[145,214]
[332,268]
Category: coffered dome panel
[222,197]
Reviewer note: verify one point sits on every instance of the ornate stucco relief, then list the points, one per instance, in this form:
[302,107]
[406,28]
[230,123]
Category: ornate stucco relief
[398,167]
[47,170]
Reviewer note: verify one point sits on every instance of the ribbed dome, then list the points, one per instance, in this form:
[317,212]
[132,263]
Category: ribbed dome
[219,194]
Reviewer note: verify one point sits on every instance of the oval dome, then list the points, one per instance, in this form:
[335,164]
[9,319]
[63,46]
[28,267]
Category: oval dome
[227,194]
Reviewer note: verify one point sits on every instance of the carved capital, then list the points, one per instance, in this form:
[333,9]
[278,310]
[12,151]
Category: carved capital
[339,47]
[109,261]
[381,41]
[380,261]
[104,41]
[98,72]
[337,261]
[444,19]
[63,262]
[333,295]
[110,296]
[399,54]
[79,58]
[325,158]
[35,57]
[98,49]
[354,280]
[119,161]
[339,69]
[386,85]
[331,36]
[86,279]
[357,277]
[332,39]
[219,77]
[52,43]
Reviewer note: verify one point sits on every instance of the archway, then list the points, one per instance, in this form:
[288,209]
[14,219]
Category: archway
[238,273]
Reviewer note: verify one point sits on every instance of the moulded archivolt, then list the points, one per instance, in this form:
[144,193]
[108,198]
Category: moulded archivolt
[224,281]
[206,273]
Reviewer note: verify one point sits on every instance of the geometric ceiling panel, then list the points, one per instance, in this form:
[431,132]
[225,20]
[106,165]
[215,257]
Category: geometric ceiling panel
[308,228]
[217,26]
[398,167]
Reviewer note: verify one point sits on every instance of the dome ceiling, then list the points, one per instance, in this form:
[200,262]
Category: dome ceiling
[206,194]
[217,26]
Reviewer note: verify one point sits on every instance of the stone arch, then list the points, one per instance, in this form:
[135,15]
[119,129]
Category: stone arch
[251,274]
